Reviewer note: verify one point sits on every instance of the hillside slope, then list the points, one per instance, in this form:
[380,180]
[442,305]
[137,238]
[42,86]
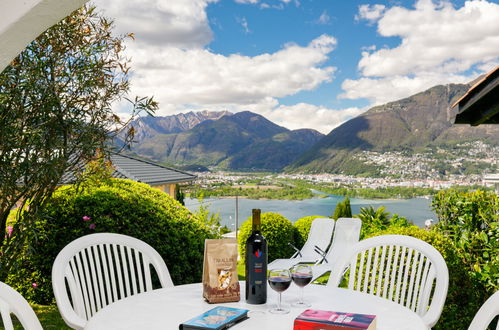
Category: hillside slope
[244,140]
[418,121]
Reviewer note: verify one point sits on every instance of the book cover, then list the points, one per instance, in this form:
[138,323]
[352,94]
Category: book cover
[217,318]
[313,319]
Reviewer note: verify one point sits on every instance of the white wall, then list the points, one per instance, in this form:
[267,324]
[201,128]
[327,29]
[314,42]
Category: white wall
[21,21]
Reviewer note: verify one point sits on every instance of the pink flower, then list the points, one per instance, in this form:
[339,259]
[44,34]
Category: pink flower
[34,285]
[9,230]
[86,218]
[91,226]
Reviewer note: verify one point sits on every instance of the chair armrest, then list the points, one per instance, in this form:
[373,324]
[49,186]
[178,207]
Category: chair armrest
[322,253]
[297,251]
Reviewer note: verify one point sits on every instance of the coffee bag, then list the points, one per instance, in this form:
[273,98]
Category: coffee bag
[220,282]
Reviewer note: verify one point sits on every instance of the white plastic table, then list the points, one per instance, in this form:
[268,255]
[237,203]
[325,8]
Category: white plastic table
[167,308]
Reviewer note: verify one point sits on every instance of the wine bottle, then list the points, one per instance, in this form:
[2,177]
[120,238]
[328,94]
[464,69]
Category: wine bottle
[256,264]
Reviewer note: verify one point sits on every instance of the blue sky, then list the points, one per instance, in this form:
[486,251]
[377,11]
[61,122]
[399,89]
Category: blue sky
[302,63]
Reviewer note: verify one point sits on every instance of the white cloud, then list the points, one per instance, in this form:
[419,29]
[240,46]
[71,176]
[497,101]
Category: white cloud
[439,44]
[244,24]
[383,90]
[301,115]
[200,77]
[308,115]
[370,13]
[182,23]
[324,19]
[171,61]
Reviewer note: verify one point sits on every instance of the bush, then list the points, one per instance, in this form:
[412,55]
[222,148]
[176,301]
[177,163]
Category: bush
[121,206]
[471,221]
[302,226]
[278,232]
[465,294]
[343,209]
[374,221]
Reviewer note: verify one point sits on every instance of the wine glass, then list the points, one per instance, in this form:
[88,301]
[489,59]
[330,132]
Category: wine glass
[279,280]
[301,275]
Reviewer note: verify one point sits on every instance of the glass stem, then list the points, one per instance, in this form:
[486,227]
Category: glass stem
[301,295]
[279,304]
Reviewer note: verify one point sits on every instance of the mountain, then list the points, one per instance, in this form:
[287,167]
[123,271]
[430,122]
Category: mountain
[416,122]
[244,140]
[146,127]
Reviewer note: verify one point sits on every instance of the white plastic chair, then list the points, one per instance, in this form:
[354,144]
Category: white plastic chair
[399,268]
[346,235]
[319,236]
[11,302]
[100,269]
[486,313]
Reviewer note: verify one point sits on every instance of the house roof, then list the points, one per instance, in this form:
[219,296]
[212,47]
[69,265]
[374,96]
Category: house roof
[126,167]
[480,105]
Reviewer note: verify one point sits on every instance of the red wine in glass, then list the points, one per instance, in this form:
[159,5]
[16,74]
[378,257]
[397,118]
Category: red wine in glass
[301,279]
[279,281]
[301,275]
[279,284]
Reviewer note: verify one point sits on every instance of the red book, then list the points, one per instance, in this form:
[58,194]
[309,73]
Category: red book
[313,319]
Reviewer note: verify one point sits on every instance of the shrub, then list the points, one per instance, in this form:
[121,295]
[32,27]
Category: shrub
[278,232]
[471,221]
[343,209]
[302,226]
[465,294]
[375,220]
[121,206]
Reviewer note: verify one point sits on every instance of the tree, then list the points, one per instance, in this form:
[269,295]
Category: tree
[56,102]
[343,209]
[179,195]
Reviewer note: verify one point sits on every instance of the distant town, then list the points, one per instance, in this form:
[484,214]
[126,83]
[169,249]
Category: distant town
[468,164]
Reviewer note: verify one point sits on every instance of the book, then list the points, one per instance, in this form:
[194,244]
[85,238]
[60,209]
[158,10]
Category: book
[216,319]
[313,319]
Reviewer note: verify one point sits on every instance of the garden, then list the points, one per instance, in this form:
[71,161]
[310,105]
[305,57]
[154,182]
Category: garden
[56,114]
[467,236]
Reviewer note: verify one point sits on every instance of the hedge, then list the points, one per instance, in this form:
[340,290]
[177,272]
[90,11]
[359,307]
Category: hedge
[277,230]
[120,206]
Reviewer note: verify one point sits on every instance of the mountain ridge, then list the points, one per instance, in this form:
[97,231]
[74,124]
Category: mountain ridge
[244,140]
[421,120]
[248,141]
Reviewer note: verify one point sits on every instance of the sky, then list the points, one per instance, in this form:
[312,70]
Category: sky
[301,63]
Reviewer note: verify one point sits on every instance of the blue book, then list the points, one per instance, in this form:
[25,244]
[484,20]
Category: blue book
[216,319]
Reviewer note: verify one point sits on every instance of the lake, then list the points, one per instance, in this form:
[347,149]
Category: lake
[415,209]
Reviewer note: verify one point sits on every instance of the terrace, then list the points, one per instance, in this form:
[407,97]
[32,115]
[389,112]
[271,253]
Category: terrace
[466,238]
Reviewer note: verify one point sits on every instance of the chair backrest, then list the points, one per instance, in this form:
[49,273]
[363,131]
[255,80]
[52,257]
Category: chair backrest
[320,234]
[399,268]
[11,302]
[346,235]
[100,269]
[486,313]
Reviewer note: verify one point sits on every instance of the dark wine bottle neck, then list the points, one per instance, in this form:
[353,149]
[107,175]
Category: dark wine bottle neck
[256,220]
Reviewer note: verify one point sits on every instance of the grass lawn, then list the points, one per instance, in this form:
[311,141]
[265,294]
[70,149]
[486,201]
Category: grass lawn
[48,315]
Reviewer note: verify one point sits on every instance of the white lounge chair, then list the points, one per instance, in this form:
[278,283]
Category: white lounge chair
[346,235]
[11,302]
[486,313]
[100,269]
[319,237]
[399,268]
